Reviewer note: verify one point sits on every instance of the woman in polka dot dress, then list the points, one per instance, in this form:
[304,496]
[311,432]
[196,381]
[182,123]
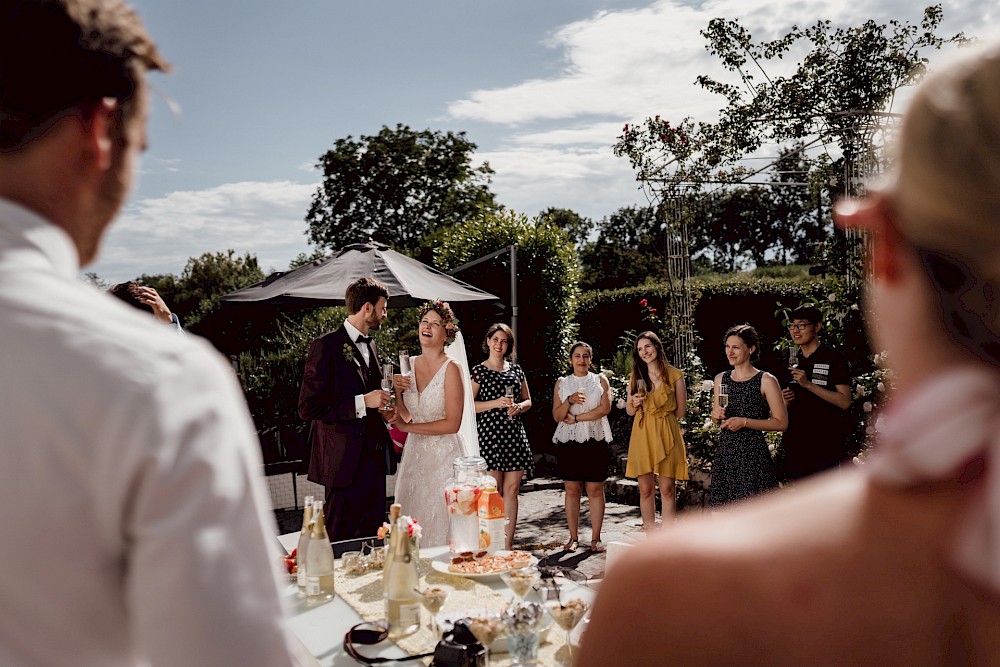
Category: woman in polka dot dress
[503,441]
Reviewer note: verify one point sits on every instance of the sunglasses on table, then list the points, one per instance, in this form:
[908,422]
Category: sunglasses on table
[368,634]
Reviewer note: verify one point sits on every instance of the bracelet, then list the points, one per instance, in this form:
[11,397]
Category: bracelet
[576,420]
[745,422]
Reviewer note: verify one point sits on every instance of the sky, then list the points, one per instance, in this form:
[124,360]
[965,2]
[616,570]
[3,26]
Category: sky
[260,89]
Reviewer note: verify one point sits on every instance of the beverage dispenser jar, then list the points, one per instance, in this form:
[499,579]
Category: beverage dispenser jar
[461,495]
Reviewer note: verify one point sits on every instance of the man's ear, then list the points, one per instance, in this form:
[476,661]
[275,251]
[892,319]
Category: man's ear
[101,125]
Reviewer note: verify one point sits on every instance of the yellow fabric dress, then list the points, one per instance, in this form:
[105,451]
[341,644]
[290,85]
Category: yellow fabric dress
[656,444]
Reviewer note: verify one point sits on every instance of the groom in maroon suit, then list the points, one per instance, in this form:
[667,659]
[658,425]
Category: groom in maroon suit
[351,449]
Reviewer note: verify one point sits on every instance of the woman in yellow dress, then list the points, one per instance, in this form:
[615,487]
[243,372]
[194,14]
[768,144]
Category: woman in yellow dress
[657,397]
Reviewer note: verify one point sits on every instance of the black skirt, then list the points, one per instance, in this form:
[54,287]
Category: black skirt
[583,461]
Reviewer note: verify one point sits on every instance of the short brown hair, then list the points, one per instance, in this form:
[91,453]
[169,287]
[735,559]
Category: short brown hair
[748,335]
[500,326]
[59,55]
[362,291]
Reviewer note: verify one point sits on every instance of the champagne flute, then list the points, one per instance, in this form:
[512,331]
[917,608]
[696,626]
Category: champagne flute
[793,361]
[508,391]
[640,388]
[723,395]
[387,384]
[404,363]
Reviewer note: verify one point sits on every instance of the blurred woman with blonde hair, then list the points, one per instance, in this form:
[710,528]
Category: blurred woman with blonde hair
[897,561]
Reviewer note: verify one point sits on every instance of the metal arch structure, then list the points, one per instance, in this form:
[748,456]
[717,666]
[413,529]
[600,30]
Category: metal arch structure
[866,156]
[678,254]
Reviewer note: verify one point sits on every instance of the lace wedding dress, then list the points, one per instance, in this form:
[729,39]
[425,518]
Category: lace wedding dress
[427,463]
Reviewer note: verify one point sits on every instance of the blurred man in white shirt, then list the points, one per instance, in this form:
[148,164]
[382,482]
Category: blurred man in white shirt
[135,518]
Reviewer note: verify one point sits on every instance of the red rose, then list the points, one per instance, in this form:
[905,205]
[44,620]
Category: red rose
[652,311]
[643,303]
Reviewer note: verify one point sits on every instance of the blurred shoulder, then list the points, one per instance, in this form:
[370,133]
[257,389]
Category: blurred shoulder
[763,553]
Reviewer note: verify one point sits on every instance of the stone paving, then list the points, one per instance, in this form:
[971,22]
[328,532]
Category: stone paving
[541,526]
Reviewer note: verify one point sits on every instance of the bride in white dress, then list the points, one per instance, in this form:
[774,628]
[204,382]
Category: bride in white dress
[430,408]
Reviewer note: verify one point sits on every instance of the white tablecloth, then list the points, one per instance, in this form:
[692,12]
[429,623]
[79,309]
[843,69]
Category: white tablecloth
[318,629]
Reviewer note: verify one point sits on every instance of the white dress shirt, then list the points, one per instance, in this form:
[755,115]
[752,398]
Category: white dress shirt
[135,520]
[366,351]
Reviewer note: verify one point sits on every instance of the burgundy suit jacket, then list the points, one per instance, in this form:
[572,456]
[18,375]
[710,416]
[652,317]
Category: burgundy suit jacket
[330,382]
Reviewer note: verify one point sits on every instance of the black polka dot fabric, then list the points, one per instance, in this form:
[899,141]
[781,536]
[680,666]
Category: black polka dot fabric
[503,442]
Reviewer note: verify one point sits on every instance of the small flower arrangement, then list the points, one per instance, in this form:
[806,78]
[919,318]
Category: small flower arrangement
[413,530]
[349,351]
[448,319]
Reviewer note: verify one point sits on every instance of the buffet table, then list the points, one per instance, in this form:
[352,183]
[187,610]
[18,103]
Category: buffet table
[318,629]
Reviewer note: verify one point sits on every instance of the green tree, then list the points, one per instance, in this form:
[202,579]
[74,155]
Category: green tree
[548,277]
[203,282]
[848,77]
[576,226]
[396,187]
[629,250]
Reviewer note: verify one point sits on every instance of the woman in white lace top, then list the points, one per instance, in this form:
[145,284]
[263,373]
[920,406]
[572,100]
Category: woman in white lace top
[580,404]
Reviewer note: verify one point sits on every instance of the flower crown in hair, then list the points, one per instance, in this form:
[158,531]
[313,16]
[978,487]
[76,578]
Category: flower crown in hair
[448,319]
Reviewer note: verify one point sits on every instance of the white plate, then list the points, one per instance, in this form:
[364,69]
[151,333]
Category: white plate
[442,561]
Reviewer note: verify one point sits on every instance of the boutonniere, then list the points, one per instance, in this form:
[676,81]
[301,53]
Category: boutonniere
[349,351]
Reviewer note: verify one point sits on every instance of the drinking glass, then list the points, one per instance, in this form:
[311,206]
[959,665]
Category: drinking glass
[567,616]
[433,598]
[509,393]
[723,395]
[640,388]
[387,384]
[486,627]
[521,581]
[793,361]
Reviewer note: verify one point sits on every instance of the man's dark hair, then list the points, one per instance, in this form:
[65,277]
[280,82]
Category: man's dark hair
[809,313]
[362,291]
[65,56]
[124,292]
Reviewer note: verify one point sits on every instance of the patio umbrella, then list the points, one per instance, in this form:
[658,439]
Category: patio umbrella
[324,281]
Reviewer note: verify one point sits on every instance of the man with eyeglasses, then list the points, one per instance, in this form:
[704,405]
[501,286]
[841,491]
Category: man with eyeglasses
[818,399]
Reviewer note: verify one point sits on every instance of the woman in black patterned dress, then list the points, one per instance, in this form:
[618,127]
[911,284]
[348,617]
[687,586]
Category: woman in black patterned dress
[742,465]
[503,441]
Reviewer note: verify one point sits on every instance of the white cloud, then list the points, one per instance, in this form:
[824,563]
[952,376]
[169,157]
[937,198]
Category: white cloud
[623,66]
[158,235]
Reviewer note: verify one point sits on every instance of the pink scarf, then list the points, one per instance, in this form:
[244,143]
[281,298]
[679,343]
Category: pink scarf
[932,433]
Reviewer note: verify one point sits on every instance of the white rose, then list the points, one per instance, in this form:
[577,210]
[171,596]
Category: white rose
[707,385]
[880,386]
[867,407]
[832,298]
[621,403]
[708,423]
[854,306]
[860,390]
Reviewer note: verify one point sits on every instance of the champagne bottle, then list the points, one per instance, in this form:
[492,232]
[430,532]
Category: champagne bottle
[402,608]
[319,559]
[303,547]
[395,511]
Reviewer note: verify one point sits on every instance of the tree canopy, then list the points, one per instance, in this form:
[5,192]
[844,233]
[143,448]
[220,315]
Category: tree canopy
[846,72]
[396,187]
